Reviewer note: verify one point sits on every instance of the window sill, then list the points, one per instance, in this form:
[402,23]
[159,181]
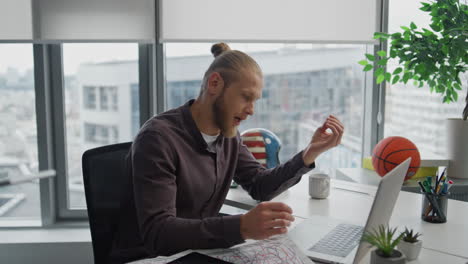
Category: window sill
[62,243]
[55,234]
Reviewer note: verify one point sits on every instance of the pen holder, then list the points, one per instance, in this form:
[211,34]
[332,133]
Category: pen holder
[434,208]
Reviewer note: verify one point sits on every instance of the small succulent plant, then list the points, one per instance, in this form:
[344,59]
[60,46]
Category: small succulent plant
[410,236]
[383,238]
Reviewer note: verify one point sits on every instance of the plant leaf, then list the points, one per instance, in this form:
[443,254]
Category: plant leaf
[396,35]
[380,78]
[435,27]
[381,35]
[368,67]
[382,62]
[397,71]
[405,28]
[426,7]
[427,32]
[379,71]
[370,57]
[395,79]
[407,76]
[445,49]
[382,53]
[440,88]
[388,77]
[420,68]
[363,62]
[413,25]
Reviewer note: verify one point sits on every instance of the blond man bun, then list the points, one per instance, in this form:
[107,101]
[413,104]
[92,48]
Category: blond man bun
[218,48]
[232,65]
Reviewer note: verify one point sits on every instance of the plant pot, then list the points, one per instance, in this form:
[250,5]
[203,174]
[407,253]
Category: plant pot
[457,148]
[397,258]
[411,250]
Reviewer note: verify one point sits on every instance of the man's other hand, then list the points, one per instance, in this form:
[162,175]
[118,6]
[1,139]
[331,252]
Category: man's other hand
[265,220]
[322,140]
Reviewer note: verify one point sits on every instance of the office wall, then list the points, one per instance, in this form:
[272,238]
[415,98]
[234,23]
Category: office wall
[47,253]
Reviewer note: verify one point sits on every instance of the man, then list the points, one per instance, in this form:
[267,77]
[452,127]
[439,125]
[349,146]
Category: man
[183,161]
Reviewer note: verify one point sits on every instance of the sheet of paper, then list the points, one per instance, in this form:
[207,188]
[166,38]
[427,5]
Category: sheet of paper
[161,260]
[276,250]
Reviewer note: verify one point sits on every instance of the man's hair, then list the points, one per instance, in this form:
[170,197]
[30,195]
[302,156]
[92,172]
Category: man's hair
[230,64]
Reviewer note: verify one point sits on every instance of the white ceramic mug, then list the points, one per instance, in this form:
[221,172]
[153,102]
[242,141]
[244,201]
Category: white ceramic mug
[319,185]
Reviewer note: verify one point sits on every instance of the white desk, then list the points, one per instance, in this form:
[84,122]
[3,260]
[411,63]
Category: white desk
[442,243]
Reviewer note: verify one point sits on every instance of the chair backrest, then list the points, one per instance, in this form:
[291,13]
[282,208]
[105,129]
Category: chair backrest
[104,177]
[264,145]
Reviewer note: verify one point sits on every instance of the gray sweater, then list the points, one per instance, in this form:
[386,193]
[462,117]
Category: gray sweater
[178,187]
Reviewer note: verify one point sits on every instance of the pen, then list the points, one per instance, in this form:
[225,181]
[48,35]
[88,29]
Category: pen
[440,186]
[439,180]
[422,187]
[427,187]
[444,189]
[450,183]
[429,180]
[442,175]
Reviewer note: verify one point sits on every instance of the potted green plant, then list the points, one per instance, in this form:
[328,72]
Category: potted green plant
[385,241]
[410,245]
[437,58]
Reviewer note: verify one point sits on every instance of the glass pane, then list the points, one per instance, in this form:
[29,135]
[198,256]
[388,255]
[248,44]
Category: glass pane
[412,112]
[101,103]
[18,133]
[303,84]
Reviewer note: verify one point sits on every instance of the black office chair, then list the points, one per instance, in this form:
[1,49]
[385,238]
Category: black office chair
[104,176]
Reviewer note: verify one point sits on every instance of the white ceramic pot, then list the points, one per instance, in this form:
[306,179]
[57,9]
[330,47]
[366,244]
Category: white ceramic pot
[457,148]
[398,258]
[411,250]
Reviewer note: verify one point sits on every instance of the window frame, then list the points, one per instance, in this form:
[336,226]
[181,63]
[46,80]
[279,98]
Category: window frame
[51,124]
[45,137]
[374,94]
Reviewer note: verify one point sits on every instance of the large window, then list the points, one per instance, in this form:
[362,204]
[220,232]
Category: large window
[412,112]
[18,133]
[101,104]
[303,84]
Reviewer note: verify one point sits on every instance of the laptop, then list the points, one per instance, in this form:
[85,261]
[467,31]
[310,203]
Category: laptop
[328,240]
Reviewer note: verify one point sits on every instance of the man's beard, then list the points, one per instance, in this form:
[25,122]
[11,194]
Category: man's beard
[222,119]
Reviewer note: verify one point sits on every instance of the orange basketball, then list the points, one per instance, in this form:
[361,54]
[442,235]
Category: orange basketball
[392,151]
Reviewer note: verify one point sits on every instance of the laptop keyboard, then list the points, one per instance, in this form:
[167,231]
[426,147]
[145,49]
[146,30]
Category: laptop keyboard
[340,241]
